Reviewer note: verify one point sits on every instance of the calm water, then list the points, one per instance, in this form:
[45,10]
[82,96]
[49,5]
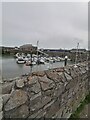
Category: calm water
[10,69]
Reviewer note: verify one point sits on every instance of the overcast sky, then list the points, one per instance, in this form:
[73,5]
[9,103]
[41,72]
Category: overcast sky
[55,25]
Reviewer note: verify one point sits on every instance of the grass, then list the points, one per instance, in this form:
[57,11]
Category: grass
[81,107]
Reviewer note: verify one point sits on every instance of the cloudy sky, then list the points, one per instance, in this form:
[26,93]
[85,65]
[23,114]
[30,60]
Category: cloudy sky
[55,25]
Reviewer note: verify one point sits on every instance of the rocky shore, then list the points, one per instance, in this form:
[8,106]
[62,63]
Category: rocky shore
[52,93]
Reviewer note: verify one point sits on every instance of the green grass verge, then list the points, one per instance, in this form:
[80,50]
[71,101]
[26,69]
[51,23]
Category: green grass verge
[81,107]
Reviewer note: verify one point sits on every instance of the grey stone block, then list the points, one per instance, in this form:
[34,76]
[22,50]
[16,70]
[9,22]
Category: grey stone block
[21,112]
[7,87]
[17,98]
[36,87]
[20,83]
[5,98]
[68,77]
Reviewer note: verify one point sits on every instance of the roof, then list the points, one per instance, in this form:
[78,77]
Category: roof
[78,49]
[26,45]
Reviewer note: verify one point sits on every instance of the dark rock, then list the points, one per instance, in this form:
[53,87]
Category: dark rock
[20,83]
[76,69]
[0,88]
[53,76]
[87,68]
[59,112]
[74,74]
[34,101]
[52,110]
[40,104]
[48,105]
[64,98]
[17,98]
[58,91]
[7,87]
[5,98]
[41,114]
[45,100]
[32,80]
[35,96]
[36,88]
[66,113]
[49,92]
[68,77]
[21,112]
[61,69]
[62,77]
[46,83]
[34,115]
[67,70]
[71,84]
[1,102]
[39,73]
[1,115]
[83,70]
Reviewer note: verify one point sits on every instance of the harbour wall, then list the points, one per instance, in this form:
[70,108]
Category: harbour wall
[52,93]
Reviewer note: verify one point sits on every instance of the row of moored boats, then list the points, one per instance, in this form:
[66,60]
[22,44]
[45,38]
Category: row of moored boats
[33,59]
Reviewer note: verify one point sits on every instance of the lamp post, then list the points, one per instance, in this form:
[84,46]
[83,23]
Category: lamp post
[65,60]
[31,62]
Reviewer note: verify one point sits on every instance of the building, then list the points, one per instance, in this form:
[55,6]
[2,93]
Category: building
[7,49]
[79,50]
[27,48]
[56,52]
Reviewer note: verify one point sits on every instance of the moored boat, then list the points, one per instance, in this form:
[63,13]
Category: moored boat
[20,60]
[29,63]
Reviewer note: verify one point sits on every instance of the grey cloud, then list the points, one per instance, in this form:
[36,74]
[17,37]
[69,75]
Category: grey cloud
[55,25]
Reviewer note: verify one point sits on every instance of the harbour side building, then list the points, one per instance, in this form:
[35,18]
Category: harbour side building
[28,48]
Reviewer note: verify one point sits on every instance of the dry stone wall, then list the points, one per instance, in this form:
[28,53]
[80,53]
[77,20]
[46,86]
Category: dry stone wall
[53,93]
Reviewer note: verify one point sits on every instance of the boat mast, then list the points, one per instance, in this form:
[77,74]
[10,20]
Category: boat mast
[37,50]
[76,54]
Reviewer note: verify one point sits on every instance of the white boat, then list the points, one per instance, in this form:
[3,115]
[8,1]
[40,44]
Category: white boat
[42,61]
[26,59]
[69,59]
[17,55]
[51,61]
[20,60]
[23,55]
[62,59]
[29,63]
[28,55]
[33,63]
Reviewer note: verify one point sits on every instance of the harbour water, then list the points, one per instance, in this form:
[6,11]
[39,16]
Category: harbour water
[10,69]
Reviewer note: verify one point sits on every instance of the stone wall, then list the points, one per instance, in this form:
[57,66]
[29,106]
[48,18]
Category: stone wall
[53,93]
